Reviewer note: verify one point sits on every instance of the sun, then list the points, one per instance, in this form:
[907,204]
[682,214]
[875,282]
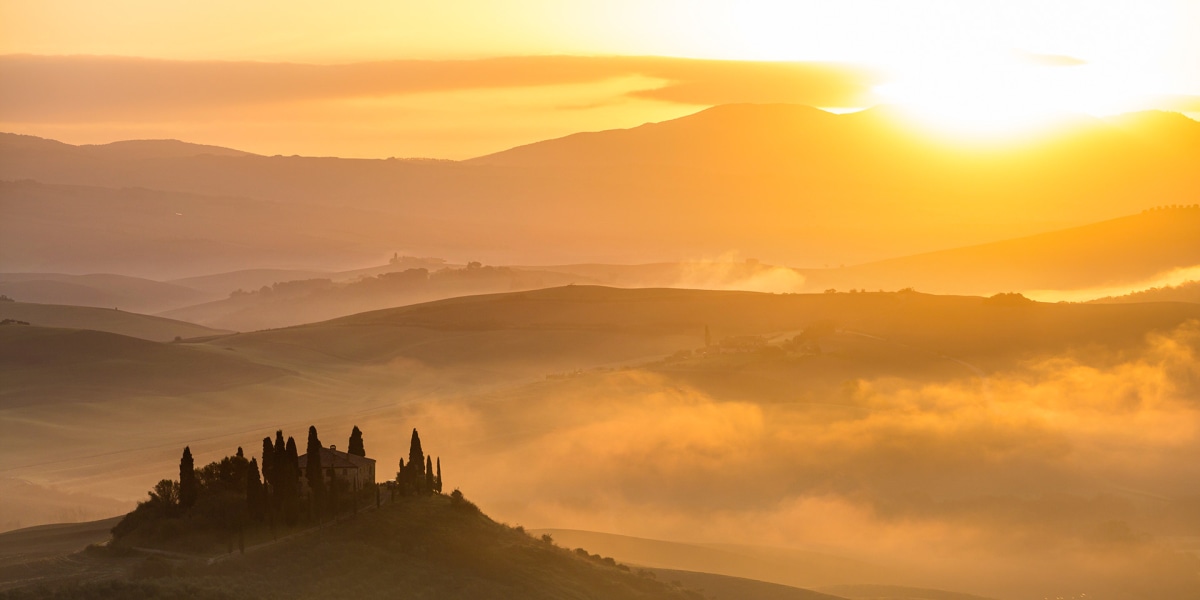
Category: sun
[1005,99]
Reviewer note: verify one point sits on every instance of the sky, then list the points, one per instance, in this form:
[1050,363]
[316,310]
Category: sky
[976,66]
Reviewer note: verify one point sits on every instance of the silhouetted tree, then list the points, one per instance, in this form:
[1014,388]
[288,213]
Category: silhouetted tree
[280,467]
[429,482]
[268,474]
[416,463]
[256,504]
[290,483]
[239,453]
[166,493]
[316,476]
[189,488]
[356,443]
[438,483]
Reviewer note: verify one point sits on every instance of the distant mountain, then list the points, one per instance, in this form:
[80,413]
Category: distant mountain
[166,235]
[146,327]
[124,150]
[787,184]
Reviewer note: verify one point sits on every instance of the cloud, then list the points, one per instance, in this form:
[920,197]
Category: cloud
[66,88]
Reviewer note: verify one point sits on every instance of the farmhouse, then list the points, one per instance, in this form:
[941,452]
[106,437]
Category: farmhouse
[357,471]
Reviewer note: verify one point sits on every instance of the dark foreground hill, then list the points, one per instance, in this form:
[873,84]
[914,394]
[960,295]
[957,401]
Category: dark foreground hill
[424,548]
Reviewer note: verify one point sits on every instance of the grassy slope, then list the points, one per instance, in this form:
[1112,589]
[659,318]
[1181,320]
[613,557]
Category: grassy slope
[1127,250]
[963,327]
[328,300]
[146,327]
[425,548]
[782,567]
[99,289]
[40,364]
[31,543]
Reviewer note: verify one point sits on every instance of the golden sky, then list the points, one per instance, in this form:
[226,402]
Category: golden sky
[966,65]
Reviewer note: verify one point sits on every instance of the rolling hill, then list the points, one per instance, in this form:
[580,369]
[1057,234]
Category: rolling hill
[427,547]
[562,389]
[1127,251]
[103,290]
[42,365]
[295,302]
[156,329]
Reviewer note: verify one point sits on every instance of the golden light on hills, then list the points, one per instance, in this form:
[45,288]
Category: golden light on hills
[972,67]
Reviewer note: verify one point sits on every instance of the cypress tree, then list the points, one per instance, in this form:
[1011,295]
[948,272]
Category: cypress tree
[416,462]
[437,486]
[255,501]
[280,466]
[313,470]
[270,493]
[356,443]
[290,483]
[239,453]
[189,488]
[428,474]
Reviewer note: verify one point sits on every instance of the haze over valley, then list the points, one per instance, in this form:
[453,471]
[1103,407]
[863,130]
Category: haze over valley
[764,301]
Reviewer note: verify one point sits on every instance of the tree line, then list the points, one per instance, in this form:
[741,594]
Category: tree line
[418,476]
[229,495]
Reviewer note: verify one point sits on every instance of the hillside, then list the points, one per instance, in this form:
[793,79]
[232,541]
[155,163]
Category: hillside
[1126,251]
[146,327]
[42,365]
[589,395]
[782,567]
[426,548]
[1188,291]
[959,326]
[295,302]
[787,184]
[102,290]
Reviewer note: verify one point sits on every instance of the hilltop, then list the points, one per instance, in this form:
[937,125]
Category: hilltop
[423,548]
